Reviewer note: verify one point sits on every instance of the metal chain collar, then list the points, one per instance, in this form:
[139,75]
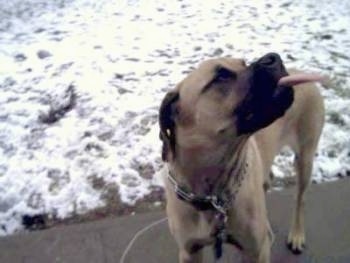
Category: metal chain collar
[213,202]
[219,204]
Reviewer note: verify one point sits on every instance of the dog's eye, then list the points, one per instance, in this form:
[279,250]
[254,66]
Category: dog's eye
[223,74]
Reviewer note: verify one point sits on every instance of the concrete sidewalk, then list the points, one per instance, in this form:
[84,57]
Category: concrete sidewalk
[327,224]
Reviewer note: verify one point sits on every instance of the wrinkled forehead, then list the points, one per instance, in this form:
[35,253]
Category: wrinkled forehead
[205,72]
[191,87]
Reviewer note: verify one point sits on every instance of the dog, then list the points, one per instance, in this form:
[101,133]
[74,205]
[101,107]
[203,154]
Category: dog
[221,128]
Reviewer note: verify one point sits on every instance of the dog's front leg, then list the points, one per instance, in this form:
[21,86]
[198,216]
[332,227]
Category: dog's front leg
[186,256]
[257,250]
[256,242]
[191,250]
[254,234]
[183,226]
[264,251]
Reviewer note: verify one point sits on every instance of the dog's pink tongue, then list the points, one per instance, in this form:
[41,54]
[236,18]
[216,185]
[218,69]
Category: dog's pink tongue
[299,78]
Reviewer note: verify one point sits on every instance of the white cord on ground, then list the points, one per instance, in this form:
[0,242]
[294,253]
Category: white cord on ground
[138,234]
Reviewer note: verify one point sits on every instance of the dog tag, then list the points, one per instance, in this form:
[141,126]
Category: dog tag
[219,240]
[218,247]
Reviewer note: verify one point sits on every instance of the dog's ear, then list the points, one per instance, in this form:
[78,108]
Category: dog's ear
[167,113]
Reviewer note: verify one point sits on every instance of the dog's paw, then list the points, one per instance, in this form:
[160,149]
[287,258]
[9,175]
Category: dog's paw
[296,243]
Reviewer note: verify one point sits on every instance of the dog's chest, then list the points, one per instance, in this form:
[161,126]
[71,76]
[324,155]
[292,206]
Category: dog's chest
[204,181]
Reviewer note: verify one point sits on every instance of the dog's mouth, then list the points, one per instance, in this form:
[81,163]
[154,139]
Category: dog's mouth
[272,65]
[269,93]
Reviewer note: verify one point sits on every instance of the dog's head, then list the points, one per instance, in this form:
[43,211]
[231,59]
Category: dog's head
[222,100]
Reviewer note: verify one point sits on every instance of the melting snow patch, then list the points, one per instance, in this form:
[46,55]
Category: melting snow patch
[121,58]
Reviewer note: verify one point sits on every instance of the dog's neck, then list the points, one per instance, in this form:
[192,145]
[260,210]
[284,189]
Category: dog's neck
[209,171]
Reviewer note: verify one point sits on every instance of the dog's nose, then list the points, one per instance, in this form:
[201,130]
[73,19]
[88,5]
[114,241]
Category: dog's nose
[270,60]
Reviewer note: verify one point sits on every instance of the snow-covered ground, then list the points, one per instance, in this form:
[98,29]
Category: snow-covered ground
[111,62]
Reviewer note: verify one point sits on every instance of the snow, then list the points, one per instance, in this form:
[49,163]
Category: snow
[122,57]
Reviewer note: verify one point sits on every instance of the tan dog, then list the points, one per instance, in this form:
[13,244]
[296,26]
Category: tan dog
[221,128]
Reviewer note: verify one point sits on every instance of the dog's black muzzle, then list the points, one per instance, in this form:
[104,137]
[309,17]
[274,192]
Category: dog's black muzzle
[264,101]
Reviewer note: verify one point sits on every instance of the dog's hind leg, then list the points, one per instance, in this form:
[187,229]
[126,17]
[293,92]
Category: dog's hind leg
[303,164]
[296,237]
[306,136]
